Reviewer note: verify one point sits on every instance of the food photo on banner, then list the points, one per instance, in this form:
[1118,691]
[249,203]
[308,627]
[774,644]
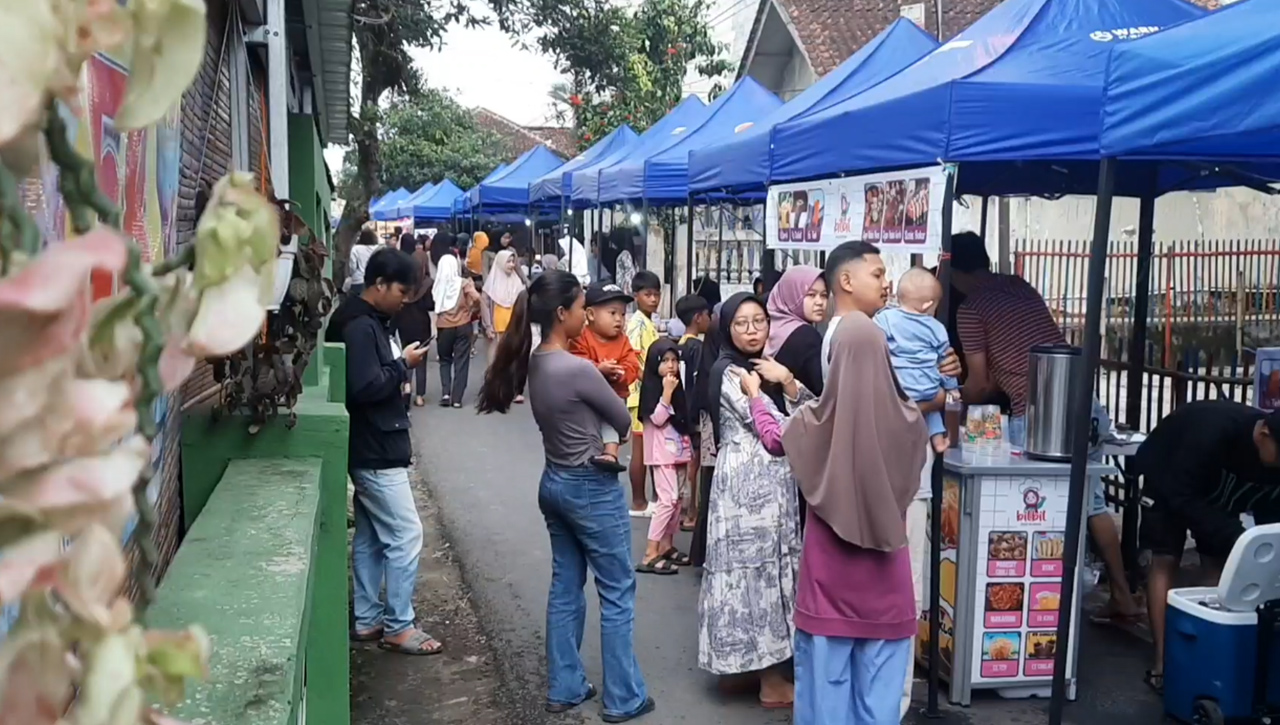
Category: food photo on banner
[897,211]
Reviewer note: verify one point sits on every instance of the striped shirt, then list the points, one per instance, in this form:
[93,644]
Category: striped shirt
[1005,318]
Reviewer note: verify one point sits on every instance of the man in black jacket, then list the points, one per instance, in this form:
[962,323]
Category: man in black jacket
[388,536]
[1203,466]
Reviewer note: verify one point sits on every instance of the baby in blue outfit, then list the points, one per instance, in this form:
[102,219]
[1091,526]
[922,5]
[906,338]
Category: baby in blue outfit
[917,343]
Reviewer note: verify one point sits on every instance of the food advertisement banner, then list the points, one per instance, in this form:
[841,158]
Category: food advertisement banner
[950,533]
[1022,528]
[899,211]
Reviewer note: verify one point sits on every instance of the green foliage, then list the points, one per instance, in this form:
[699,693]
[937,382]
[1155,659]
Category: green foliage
[624,66]
[429,137]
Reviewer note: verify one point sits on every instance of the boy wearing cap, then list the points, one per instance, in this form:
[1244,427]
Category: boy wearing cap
[1203,466]
[604,343]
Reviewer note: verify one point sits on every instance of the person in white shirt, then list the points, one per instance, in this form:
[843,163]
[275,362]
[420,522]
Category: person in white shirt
[366,244]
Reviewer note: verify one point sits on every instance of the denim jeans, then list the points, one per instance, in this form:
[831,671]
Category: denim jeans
[1098,500]
[587,519]
[386,545]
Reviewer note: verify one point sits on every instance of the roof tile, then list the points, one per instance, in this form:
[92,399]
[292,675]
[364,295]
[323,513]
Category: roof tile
[522,138]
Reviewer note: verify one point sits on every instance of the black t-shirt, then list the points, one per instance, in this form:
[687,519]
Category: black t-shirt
[801,353]
[1201,463]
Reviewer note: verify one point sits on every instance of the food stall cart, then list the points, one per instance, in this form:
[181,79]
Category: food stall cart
[1003,532]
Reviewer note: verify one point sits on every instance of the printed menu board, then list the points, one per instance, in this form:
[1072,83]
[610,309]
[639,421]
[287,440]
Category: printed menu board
[950,531]
[1021,529]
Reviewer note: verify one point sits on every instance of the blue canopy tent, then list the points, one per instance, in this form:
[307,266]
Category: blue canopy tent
[1016,97]
[585,188]
[1202,90]
[659,177]
[404,209]
[462,205]
[740,165]
[508,190]
[1195,99]
[436,205]
[559,183]
[386,207]
[375,201]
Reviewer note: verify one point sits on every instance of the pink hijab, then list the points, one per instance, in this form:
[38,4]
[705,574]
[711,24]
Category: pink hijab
[786,304]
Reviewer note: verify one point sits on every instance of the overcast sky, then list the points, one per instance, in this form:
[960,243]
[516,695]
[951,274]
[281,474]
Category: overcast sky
[480,67]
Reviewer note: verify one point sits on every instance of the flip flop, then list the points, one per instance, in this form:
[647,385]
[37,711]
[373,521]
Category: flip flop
[779,705]
[413,646]
[608,464]
[372,635]
[1154,681]
[677,557]
[555,708]
[688,528]
[648,707]
[656,566]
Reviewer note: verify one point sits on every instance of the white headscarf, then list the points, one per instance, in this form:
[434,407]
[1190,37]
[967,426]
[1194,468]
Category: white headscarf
[448,283]
[576,258]
[502,286]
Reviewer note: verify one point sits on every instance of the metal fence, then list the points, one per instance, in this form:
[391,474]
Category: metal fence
[1212,303]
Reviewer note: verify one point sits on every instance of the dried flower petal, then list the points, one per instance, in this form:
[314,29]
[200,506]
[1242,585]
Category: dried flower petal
[168,47]
[239,227]
[230,313]
[81,418]
[95,482]
[175,657]
[109,693]
[32,564]
[43,306]
[36,677]
[91,580]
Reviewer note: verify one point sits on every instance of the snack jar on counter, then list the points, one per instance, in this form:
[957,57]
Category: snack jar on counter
[1003,533]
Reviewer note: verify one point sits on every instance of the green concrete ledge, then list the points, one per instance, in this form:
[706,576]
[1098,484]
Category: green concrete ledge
[209,448]
[335,363]
[247,571]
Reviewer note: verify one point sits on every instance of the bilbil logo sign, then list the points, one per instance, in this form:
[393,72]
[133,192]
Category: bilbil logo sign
[1032,506]
[1107,36]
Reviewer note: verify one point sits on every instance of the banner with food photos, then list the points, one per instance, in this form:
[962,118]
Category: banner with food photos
[896,211]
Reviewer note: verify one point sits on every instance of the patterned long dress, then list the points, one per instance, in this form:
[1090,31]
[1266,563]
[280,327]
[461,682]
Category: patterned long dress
[746,608]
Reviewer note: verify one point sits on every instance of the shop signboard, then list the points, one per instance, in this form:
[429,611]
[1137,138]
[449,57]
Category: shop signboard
[896,211]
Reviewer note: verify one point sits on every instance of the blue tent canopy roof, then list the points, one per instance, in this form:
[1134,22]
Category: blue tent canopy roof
[741,164]
[405,208]
[438,204]
[386,208]
[508,189]
[1203,90]
[558,183]
[585,189]
[660,176]
[1023,84]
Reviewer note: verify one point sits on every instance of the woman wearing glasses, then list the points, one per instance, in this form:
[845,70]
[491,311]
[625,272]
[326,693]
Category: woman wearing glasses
[747,603]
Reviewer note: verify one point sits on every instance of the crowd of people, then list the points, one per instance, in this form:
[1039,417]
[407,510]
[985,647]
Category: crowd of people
[793,435]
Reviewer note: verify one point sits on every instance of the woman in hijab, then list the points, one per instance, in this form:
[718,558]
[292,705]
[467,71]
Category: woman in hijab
[707,448]
[457,302]
[753,528]
[475,254]
[413,321]
[796,304]
[857,454]
[366,244]
[575,256]
[501,288]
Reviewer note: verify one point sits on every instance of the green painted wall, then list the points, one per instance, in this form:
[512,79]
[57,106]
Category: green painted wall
[308,175]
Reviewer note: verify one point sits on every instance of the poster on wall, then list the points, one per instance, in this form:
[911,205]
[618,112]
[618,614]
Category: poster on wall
[1266,379]
[901,211]
[138,170]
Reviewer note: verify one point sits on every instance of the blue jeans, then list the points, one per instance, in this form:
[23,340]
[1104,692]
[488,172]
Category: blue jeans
[386,545]
[587,519]
[849,681]
[1098,502]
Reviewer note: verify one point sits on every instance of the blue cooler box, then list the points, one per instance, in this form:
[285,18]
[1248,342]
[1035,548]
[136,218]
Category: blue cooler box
[1211,654]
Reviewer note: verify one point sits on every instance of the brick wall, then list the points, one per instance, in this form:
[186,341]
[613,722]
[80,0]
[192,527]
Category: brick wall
[206,157]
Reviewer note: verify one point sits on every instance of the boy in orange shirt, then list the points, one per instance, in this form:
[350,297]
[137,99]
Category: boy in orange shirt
[605,344]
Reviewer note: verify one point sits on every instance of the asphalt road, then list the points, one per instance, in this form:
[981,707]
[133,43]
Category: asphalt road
[483,473]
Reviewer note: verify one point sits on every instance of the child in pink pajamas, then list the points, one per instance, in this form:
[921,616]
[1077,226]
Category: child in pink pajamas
[666,452]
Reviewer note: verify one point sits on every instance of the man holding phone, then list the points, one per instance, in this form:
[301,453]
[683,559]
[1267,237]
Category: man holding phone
[388,535]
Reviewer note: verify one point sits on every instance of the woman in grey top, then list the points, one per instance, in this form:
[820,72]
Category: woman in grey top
[584,507]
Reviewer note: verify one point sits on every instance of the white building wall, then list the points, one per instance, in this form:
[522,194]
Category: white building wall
[730,22]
